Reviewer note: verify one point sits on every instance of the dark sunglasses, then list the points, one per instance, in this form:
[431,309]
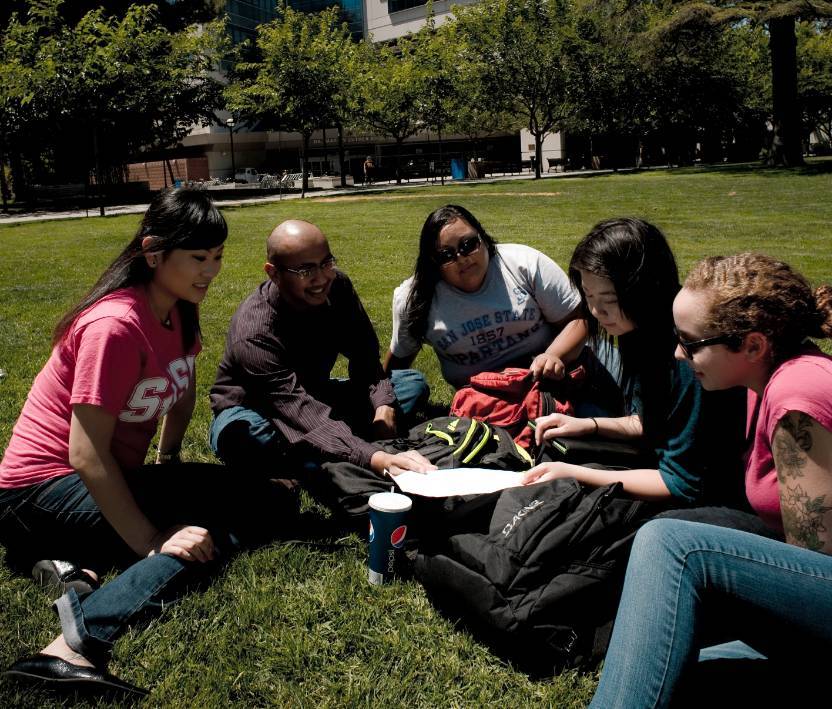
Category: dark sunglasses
[469,245]
[691,347]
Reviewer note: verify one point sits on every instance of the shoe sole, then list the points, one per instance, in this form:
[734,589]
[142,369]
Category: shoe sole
[46,578]
[79,684]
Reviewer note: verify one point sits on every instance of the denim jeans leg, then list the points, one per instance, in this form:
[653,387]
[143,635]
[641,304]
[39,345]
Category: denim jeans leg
[780,597]
[58,519]
[241,437]
[92,624]
[411,389]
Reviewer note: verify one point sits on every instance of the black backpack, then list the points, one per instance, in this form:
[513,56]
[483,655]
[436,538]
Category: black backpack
[446,441]
[534,572]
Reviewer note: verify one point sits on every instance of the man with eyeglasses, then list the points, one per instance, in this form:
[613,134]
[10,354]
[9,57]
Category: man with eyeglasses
[275,406]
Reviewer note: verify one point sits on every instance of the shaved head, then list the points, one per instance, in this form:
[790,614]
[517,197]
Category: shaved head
[300,264]
[292,237]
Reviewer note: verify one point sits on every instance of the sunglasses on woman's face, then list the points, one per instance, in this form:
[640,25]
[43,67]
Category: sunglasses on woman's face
[691,347]
[467,246]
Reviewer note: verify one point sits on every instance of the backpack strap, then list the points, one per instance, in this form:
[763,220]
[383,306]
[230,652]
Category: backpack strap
[483,440]
[466,441]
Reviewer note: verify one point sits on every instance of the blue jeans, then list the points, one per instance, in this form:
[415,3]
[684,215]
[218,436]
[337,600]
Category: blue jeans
[689,585]
[59,519]
[257,443]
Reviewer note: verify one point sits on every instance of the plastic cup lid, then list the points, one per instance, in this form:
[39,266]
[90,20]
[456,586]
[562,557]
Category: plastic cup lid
[390,502]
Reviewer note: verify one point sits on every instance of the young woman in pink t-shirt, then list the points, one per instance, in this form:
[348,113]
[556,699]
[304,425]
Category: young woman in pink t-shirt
[73,484]
[742,320]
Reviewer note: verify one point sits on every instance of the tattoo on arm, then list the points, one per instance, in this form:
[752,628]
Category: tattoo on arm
[803,517]
[792,442]
[804,486]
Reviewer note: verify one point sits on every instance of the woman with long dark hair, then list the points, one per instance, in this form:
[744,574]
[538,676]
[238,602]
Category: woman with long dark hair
[74,491]
[483,306]
[745,321]
[627,277]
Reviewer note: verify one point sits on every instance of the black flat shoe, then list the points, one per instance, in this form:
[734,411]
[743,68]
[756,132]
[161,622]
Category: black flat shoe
[56,577]
[60,674]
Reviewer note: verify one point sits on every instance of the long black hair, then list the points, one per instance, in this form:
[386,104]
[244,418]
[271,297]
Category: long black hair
[176,219]
[636,257]
[426,274]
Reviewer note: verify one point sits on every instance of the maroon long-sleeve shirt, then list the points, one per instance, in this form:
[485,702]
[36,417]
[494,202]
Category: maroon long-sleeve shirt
[278,361]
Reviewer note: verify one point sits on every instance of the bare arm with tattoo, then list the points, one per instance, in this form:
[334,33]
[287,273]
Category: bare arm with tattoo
[803,459]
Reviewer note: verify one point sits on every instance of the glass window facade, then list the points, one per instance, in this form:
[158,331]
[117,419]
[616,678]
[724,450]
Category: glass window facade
[245,15]
[397,5]
[353,11]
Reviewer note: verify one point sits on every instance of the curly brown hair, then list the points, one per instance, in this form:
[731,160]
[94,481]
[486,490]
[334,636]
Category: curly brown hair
[751,292]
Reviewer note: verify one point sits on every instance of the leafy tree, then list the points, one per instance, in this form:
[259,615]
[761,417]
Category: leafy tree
[472,111]
[125,84]
[779,17]
[297,81]
[27,74]
[814,61]
[613,94]
[437,99]
[526,49]
[137,84]
[174,15]
[391,87]
[708,83]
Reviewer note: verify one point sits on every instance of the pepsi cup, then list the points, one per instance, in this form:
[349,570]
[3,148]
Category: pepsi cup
[388,529]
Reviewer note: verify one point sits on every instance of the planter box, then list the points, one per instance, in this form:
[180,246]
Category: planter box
[330,181]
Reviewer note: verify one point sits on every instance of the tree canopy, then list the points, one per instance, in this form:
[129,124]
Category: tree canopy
[299,76]
[98,92]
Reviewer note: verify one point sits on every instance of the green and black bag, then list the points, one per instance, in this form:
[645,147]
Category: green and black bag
[447,442]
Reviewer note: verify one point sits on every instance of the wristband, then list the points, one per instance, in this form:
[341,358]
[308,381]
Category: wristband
[172,457]
[595,432]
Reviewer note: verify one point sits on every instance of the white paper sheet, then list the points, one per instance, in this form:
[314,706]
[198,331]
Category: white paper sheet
[457,481]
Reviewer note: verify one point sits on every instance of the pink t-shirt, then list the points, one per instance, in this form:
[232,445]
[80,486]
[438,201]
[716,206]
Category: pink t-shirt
[116,355]
[803,383]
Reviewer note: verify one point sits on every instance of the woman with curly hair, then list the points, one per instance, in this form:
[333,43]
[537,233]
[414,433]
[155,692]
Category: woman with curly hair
[742,320]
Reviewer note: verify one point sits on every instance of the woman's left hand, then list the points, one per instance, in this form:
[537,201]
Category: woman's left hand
[547,471]
[549,366]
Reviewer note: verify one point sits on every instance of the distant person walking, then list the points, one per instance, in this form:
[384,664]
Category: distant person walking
[369,169]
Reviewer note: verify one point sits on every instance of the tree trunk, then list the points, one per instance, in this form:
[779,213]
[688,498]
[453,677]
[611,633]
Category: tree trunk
[538,154]
[399,142]
[97,157]
[341,156]
[325,165]
[4,187]
[786,146]
[170,172]
[441,167]
[19,186]
[304,165]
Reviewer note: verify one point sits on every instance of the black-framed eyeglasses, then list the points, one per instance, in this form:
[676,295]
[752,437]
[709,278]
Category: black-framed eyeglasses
[691,347]
[307,270]
[467,246]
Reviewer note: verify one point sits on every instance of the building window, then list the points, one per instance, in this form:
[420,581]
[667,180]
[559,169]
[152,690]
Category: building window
[398,5]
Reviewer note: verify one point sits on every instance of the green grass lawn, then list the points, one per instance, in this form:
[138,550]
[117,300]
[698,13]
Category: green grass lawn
[297,626]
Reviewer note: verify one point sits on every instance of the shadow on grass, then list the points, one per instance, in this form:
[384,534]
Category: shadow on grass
[813,168]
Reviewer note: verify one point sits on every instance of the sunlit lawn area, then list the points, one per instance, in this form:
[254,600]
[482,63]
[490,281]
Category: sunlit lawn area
[297,626]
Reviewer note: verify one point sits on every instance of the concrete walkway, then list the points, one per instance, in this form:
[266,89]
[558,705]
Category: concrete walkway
[317,194]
